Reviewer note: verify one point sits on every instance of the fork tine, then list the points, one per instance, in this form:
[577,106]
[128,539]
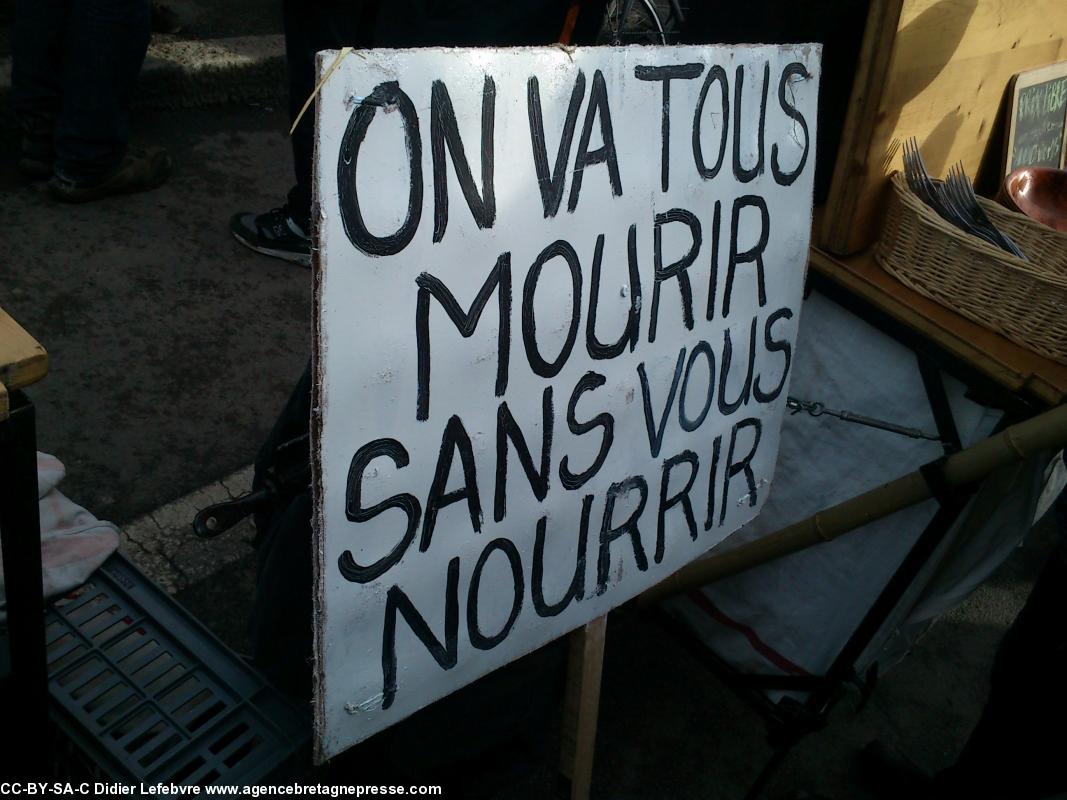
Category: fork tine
[910,172]
[953,198]
[953,183]
[925,186]
[994,234]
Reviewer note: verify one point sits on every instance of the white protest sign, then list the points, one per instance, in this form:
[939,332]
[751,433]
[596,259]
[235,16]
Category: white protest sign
[557,294]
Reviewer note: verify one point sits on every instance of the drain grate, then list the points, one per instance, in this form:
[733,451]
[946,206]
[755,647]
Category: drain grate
[150,695]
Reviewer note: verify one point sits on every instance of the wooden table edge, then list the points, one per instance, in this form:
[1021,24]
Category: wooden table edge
[23,361]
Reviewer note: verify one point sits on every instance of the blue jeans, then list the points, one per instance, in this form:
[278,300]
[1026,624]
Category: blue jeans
[74,65]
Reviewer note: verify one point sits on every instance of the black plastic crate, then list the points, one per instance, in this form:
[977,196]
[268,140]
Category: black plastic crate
[149,695]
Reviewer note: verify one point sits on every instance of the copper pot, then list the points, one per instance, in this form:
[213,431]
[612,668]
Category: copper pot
[1038,192]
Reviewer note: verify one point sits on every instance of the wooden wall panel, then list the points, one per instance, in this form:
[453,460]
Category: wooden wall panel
[936,70]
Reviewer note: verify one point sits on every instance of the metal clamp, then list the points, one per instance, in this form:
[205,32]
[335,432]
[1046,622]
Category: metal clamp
[817,409]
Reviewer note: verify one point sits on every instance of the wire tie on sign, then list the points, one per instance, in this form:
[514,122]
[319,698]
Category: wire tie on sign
[344,51]
[356,100]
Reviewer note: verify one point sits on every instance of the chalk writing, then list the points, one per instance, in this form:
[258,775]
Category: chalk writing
[1040,114]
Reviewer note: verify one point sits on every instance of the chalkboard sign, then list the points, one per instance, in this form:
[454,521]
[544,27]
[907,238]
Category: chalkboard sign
[1038,114]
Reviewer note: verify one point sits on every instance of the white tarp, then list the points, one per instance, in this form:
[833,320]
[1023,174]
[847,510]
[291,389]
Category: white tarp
[73,542]
[793,615]
[557,294]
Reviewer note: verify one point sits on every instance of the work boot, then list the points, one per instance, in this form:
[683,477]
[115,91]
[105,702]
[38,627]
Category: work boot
[38,155]
[138,172]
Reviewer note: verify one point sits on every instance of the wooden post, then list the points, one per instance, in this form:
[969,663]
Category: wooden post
[581,702]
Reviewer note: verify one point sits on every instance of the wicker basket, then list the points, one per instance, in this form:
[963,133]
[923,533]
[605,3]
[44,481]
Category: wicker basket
[1024,301]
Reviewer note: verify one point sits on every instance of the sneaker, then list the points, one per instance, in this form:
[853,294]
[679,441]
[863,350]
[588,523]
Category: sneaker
[275,233]
[138,172]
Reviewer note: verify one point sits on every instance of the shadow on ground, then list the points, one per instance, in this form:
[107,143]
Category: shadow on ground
[172,347]
[671,729]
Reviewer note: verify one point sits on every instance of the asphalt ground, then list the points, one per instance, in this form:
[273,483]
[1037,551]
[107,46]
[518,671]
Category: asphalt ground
[172,347]
[199,19]
[669,729]
[172,351]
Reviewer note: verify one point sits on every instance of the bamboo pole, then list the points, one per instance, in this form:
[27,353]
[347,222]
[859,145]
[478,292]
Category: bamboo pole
[1047,431]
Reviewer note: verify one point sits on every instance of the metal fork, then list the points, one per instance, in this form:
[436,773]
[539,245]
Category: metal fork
[968,200]
[916,175]
[955,196]
[931,192]
[953,200]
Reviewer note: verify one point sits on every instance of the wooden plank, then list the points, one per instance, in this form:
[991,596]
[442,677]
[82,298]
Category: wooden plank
[1017,369]
[22,360]
[581,704]
[948,69]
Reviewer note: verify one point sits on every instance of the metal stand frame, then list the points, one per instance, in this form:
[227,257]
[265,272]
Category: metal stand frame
[20,526]
[789,720]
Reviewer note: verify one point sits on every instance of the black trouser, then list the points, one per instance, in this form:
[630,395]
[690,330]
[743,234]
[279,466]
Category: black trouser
[1015,751]
[313,25]
[75,63]
[310,26]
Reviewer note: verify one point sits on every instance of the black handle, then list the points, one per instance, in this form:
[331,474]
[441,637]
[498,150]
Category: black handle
[219,518]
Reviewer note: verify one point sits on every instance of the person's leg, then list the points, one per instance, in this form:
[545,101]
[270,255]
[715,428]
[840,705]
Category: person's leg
[1014,751]
[1015,748]
[37,43]
[310,26]
[105,46]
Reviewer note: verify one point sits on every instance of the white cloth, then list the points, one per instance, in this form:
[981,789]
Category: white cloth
[73,541]
[793,615]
